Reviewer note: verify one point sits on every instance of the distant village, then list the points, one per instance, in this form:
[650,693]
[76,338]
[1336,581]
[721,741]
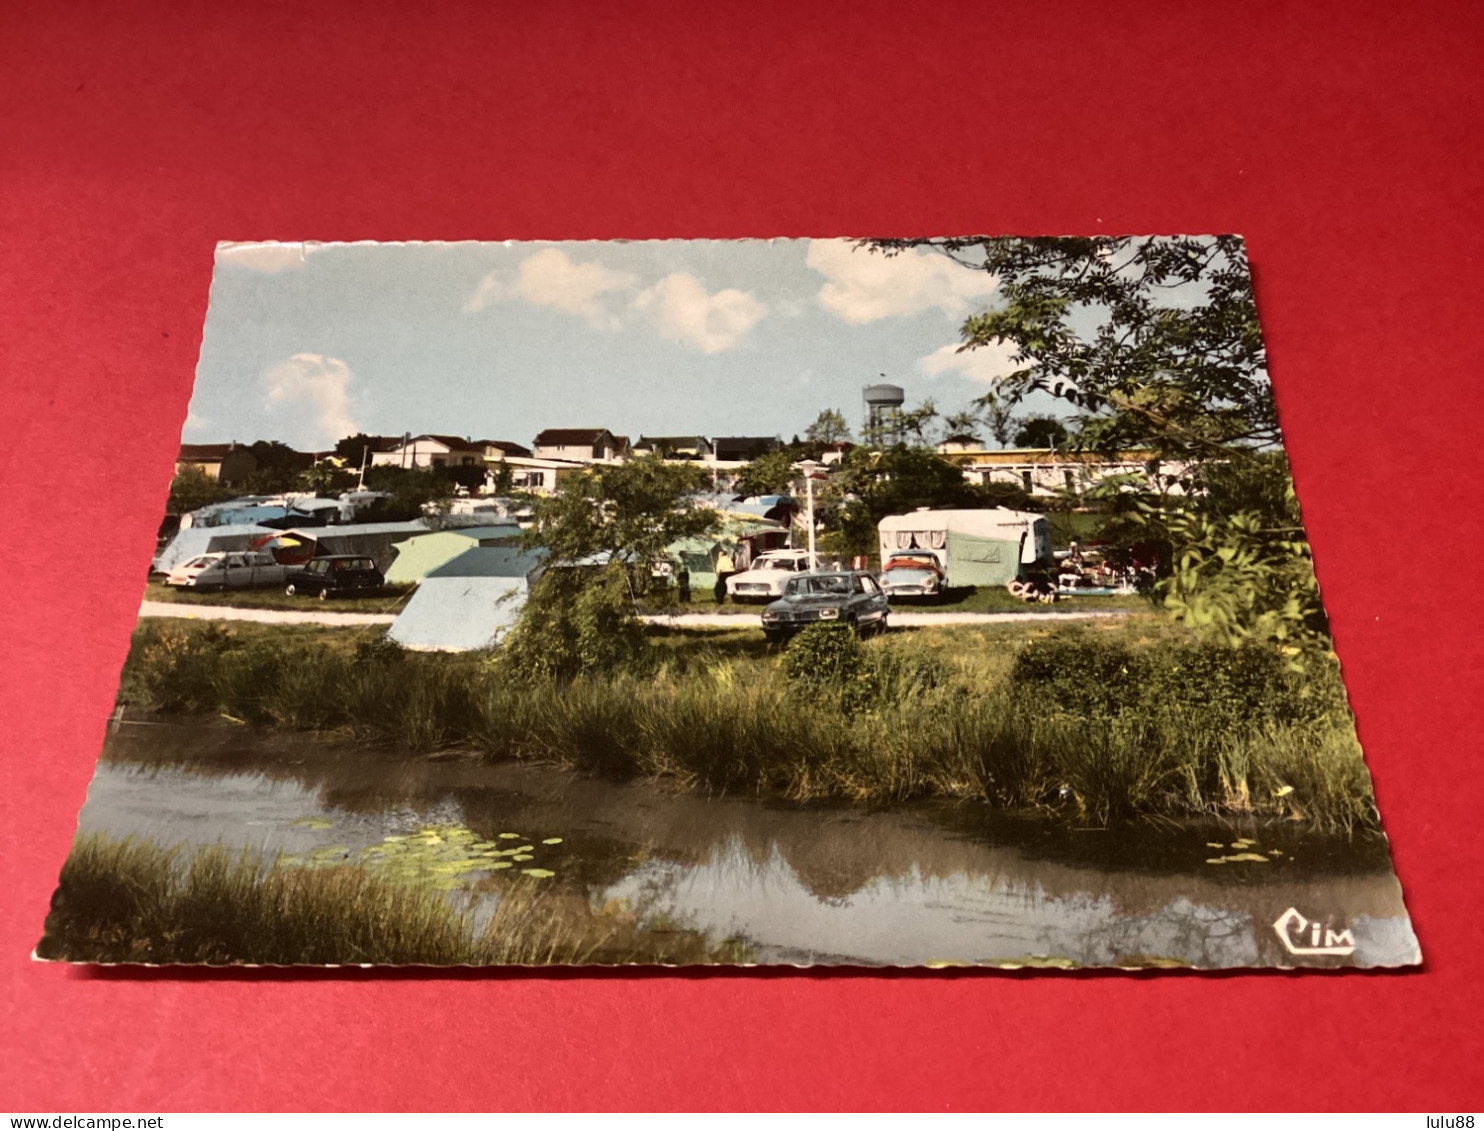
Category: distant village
[556,453]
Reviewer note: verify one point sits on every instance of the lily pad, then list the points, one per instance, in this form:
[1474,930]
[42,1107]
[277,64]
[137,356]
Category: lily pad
[537,873]
[552,840]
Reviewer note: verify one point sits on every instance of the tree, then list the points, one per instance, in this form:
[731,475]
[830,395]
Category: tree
[998,415]
[1041,432]
[193,488]
[326,479]
[1154,342]
[917,424]
[829,427]
[277,469]
[771,473]
[627,513]
[966,424]
[870,485]
[604,534]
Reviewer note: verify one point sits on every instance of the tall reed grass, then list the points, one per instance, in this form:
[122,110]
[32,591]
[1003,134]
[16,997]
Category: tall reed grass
[133,901]
[925,725]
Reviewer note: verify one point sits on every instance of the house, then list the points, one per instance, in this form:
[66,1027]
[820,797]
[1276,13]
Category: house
[579,445]
[743,449]
[432,450]
[230,463]
[529,474]
[496,450]
[1047,471]
[675,447]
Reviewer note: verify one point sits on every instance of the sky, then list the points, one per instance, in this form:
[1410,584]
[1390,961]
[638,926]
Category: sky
[307,343]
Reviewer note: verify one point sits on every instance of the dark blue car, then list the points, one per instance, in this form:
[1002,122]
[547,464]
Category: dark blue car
[854,598]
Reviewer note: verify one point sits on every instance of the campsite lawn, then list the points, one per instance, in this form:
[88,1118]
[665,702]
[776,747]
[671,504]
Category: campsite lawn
[388,601]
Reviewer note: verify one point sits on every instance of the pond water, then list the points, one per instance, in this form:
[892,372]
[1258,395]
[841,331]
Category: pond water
[921,884]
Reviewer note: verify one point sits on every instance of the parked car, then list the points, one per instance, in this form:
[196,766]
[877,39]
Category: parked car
[769,572]
[244,570]
[852,598]
[335,576]
[913,575]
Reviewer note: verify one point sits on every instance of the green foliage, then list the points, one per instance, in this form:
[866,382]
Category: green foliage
[1041,432]
[824,655]
[1239,582]
[578,619]
[628,513]
[326,480]
[278,468]
[1226,687]
[192,488]
[1155,342]
[772,473]
[1186,379]
[830,659]
[829,427]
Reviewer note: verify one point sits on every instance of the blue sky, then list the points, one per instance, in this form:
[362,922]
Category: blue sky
[306,343]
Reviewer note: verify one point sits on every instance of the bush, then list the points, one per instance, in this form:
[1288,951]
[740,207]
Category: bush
[824,654]
[1230,687]
[577,621]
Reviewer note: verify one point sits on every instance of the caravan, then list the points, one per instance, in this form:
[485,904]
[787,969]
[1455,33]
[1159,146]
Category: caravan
[969,547]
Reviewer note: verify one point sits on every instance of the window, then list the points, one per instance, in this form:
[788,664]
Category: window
[1025,480]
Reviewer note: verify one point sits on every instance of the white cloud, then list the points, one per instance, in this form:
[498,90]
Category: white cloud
[681,308]
[862,286]
[268,258]
[321,382]
[989,363]
[549,278]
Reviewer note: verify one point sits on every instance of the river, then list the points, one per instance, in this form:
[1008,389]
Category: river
[941,882]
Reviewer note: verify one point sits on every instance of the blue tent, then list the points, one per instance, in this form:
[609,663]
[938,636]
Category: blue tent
[469,603]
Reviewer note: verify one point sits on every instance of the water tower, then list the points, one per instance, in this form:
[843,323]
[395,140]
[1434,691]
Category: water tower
[883,414]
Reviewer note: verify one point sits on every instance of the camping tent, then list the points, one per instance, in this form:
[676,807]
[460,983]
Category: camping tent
[422,553]
[974,547]
[470,602]
[190,541]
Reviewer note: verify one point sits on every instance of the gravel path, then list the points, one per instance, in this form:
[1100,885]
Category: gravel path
[899,618]
[263,616]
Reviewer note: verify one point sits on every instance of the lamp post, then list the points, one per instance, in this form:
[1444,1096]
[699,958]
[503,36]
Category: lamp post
[809,467]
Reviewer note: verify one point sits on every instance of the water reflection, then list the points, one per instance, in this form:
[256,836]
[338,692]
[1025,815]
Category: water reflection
[923,884]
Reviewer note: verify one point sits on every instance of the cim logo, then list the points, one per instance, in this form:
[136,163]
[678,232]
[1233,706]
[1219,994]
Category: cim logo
[1302,936]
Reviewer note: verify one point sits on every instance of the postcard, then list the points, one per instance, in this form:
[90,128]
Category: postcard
[898,602]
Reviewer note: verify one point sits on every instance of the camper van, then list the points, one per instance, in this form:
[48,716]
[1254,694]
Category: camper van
[971,547]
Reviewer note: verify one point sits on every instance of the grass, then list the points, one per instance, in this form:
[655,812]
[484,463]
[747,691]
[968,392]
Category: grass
[935,712]
[273,597]
[132,901]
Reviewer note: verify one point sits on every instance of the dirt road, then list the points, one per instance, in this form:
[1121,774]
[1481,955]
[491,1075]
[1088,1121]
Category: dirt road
[899,618]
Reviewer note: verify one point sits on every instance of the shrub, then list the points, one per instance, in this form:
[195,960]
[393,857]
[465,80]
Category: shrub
[1225,686]
[577,621]
[824,654]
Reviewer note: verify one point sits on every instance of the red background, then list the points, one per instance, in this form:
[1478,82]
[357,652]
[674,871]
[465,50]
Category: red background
[1342,139]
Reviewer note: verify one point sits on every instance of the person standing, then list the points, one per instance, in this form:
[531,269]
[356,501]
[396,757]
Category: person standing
[725,567]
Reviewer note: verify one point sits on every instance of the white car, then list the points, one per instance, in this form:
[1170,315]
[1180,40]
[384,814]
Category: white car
[765,578]
[245,569]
